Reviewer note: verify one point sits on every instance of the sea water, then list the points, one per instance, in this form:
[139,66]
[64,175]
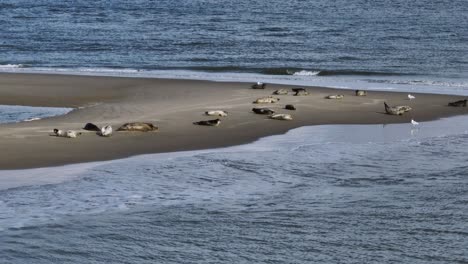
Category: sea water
[323,194]
[18,113]
[405,45]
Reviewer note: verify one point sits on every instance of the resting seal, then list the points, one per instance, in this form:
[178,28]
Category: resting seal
[335,96]
[67,134]
[300,91]
[281,92]
[259,85]
[460,103]
[266,100]
[216,113]
[106,131]
[91,127]
[214,122]
[281,117]
[263,111]
[396,110]
[138,126]
[290,107]
[360,93]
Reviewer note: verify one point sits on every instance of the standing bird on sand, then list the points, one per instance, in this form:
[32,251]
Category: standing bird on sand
[414,123]
[411,97]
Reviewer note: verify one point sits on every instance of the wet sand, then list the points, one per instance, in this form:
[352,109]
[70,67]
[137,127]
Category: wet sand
[173,105]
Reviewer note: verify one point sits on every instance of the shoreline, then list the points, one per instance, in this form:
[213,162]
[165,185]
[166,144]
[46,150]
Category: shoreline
[172,105]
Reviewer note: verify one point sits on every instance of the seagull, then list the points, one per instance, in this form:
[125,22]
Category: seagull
[259,83]
[414,123]
[411,97]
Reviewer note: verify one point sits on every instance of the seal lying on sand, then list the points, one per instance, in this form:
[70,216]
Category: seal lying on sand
[259,85]
[290,107]
[214,122]
[300,91]
[335,96]
[460,103]
[106,131]
[67,134]
[91,127]
[396,110]
[281,117]
[360,93]
[138,126]
[216,113]
[266,100]
[281,92]
[263,111]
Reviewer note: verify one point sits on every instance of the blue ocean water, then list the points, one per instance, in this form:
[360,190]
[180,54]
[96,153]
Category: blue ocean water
[376,44]
[18,113]
[323,194]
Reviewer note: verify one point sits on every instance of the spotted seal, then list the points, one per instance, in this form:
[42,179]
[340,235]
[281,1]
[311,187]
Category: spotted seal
[281,92]
[300,91]
[216,113]
[360,93]
[266,100]
[106,131]
[138,126]
[460,103]
[290,107]
[263,111]
[91,127]
[67,134]
[396,110]
[214,122]
[335,96]
[281,117]
[259,85]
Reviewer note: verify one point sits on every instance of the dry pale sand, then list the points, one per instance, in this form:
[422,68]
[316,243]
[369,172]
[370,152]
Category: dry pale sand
[173,105]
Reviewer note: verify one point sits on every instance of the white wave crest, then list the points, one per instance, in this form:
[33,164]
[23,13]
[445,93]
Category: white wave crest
[11,66]
[32,119]
[306,73]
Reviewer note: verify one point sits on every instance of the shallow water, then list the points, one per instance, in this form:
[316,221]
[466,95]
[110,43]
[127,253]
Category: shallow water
[325,194]
[18,113]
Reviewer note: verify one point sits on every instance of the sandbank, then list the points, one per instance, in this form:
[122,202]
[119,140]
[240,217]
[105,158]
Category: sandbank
[173,105]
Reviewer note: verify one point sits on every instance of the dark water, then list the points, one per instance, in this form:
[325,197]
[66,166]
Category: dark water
[335,37]
[328,194]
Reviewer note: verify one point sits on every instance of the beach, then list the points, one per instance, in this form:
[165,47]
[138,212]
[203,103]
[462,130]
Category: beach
[173,105]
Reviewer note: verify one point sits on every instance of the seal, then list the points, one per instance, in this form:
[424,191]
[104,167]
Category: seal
[106,131]
[281,92]
[360,93]
[91,127]
[216,113]
[281,117]
[460,103]
[138,126]
[263,111]
[290,107]
[214,122]
[335,96]
[396,110]
[300,91]
[259,85]
[266,100]
[67,134]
